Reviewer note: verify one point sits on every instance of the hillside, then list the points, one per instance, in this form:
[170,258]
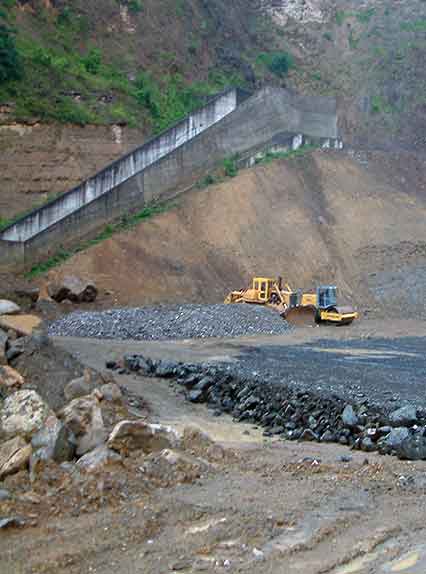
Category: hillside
[83,82]
[322,217]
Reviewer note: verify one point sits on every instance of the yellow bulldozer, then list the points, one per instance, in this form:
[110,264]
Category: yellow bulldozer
[295,306]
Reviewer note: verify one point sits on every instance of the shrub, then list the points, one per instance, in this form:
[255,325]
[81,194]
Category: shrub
[93,61]
[10,64]
[279,63]
[135,6]
[230,167]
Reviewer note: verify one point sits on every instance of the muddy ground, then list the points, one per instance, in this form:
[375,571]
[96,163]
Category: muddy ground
[267,506]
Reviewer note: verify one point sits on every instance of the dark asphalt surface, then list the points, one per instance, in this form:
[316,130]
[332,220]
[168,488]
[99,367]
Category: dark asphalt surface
[384,372]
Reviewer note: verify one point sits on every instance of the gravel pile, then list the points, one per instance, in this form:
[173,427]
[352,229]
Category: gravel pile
[172,322]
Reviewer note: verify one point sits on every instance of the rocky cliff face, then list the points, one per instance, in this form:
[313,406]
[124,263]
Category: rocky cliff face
[302,11]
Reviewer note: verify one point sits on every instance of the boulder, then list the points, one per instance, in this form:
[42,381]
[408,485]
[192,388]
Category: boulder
[74,289]
[3,347]
[405,416]
[309,435]
[83,417]
[14,456]
[139,435]
[98,458]
[79,387]
[53,442]
[349,417]
[111,392]
[412,448]
[9,307]
[395,438]
[10,378]
[15,348]
[196,396]
[173,466]
[23,414]
[22,325]
[328,436]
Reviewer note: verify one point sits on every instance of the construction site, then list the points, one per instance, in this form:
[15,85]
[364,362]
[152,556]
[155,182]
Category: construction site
[212,295]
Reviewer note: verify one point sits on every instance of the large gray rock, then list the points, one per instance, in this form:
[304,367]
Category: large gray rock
[83,417]
[74,289]
[111,392]
[15,348]
[10,378]
[3,347]
[412,448]
[405,416]
[9,307]
[53,442]
[139,435]
[395,438]
[349,417]
[14,456]
[171,465]
[23,414]
[98,458]
[79,387]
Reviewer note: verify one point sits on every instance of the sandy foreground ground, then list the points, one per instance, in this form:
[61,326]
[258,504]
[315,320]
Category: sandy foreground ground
[266,506]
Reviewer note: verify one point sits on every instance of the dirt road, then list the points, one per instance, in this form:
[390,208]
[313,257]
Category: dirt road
[381,361]
[268,507]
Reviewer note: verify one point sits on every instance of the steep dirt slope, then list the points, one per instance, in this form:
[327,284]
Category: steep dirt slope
[321,217]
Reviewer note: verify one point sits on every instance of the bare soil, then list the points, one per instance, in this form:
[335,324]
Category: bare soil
[324,217]
[267,506]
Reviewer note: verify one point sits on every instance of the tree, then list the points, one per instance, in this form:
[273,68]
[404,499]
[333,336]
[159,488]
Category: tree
[10,65]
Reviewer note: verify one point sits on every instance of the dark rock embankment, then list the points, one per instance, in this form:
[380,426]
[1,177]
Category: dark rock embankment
[293,413]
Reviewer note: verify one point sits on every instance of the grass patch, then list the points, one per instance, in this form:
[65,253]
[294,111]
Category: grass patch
[62,75]
[271,156]
[418,25]
[364,16]
[126,222]
[279,63]
[340,17]
[380,106]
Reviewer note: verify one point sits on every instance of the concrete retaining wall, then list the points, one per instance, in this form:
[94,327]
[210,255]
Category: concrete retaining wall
[123,169]
[235,127]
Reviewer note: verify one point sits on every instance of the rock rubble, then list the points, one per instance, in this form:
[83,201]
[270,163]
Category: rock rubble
[290,412]
[172,322]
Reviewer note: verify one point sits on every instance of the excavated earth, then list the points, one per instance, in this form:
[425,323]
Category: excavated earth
[353,219]
[264,505]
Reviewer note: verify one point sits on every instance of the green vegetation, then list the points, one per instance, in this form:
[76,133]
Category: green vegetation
[271,156]
[230,166]
[279,63]
[135,6]
[353,40]
[379,105]
[209,179]
[414,26]
[364,16]
[126,222]
[10,64]
[340,17]
[59,75]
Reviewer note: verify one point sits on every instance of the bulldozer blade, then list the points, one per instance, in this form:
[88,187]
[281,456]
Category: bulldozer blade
[301,316]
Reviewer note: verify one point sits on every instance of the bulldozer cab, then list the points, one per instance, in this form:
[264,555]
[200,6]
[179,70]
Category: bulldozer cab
[262,286]
[326,296]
